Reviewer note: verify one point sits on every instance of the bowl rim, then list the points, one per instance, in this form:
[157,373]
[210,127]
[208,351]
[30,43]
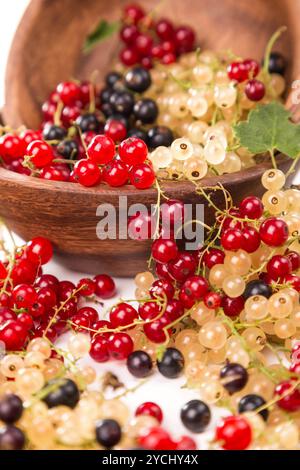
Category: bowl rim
[180,186]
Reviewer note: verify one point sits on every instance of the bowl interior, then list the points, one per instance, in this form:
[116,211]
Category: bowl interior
[48,44]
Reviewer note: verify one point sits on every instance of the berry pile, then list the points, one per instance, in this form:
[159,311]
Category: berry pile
[148,40]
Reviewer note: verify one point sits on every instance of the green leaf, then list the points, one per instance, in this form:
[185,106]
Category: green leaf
[102,31]
[269,128]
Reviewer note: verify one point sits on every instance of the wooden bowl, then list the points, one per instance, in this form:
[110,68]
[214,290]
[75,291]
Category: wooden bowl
[47,49]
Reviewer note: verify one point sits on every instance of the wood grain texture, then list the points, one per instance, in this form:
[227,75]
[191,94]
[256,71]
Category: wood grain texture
[47,49]
[66,214]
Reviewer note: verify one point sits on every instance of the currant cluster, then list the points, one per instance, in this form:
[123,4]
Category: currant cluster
[148,40]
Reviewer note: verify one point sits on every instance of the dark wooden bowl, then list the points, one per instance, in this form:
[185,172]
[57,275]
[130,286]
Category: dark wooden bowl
[47,49]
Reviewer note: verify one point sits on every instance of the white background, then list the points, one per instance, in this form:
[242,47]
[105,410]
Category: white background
[167,393]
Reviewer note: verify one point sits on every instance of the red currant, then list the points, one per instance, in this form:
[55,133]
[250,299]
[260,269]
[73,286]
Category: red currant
[182,267]
[164,251]
[164,29]
[154,330]
[184,39]
[87,173]
[274,232]
[24,296]
[68,92]
[116,130]
[10,146]
[104,286]
[186,443]
[251,207]
[150,409]
[133,151]
[143,44]
[122,315]
[55,173]
[115,174]
[99,349]
[289,401]
[141,227]
[251,239]
[90,313]
[233,307]
[129,33]
[101,150]
[87,287]
[133,13]
[252,67]
[162,288]
[40,153]
[48,280]
[174,310]
[156,439]
[129,57]
[120,345]
[149,310]
[14,335]
[212,300]
[234,433]
[39,250]
[238,72]
[172,213]
[213,256]
[294,258]
[232,239]
[255,90]
[142,176]
[279,267]
[194,288]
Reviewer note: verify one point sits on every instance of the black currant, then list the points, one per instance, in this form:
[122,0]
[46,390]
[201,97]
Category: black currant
[145,110]
[257,287]
[122,102]
[251,403]
[138,79]
[195,415]
[65,392]
[160,135]
[139,364]
[107,109]
[11,409]
[52,132]
[105,95]
[112,79]
[171,364]
[88,122]
[277,63]
[108,433]
[139,133]
[233,377]
[11,438]
[68,149]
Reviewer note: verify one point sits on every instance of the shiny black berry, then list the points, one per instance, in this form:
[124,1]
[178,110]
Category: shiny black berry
[171,364]
[108,433]
[139,133]
[139,364]
[112,79]
[88,122]
[160,135]
[233,377]
[122,102]
[257,287]
[107,109]
[106,94]
[52,132]
[195,415]
[11,409]
[68,149]
[11,438]
[277,63]
[251,403]
[145,110]
[65,392]
[138,79]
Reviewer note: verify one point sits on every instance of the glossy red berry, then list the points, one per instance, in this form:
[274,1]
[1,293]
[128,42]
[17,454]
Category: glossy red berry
[99,349]
[234,433]
[80,323]
[133,13]
[129,56]
[90,313]
[3,271]
[251,239]
[149,310]
[164,29]
[168,58]
[23,296]
[48,280]
[143,44]
[142,176]
[100,325]
[87,287]
[104,286]
[69,115]
[156,439]
[122,314]
[279,267]
[174,310]
[39,250]
[172,213]
[11,147]
[212,257]
[184,39]
[294,258]
[251,207]
[120,345]
[212,300]
[290,401]
[182,267]
[23,272]
[252,67]
[26,320]
[57,172]
[87,173]
[274,232]
[26,137]
[116,130]
[133,151]
[232,239]
[255,90]
[164,251]
[237,71]
[186,443]
[129,33]
[232,306]
[14,335]
[101,150]
[68,92]
[194,289]
[141,227]
[162,288]
[115,173]
[294,281]
[155,330]
[150,409]
[40,153]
